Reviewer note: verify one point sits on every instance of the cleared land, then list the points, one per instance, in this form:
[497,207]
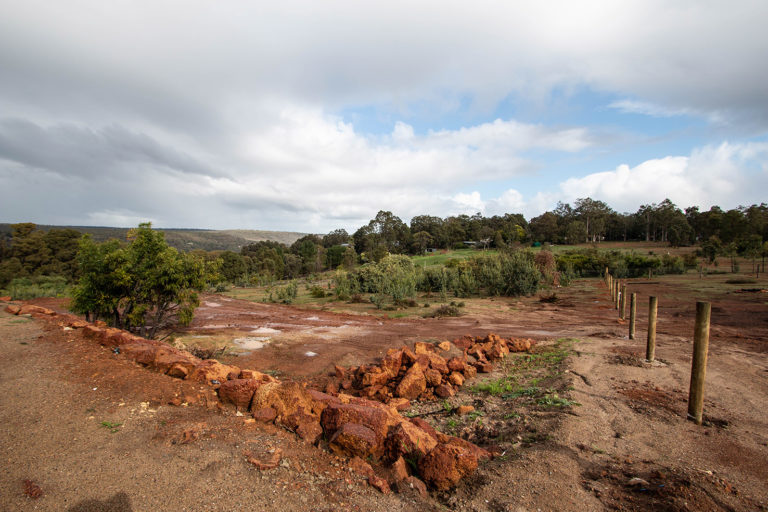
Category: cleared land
[576,420]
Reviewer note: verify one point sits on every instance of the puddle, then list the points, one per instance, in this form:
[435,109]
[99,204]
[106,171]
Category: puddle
[251,342]
[541,333]
[312,318]
[265,330]
[310,354]
[211,304]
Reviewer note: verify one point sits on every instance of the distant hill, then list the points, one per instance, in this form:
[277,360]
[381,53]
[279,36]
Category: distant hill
[186,239]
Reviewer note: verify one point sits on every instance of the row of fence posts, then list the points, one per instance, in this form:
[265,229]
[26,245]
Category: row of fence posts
[618,291]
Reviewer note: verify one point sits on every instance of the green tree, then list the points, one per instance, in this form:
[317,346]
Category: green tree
[28,246]
[544,228]
[336,237]
[334,256]
[711,249]
[63,244]
[233,266]
[421,240]
[575,232]
[592,213]
[140,286]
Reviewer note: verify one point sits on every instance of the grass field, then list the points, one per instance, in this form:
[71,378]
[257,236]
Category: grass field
[442,256]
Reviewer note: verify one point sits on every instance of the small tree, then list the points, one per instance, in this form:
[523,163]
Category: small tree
[139,286]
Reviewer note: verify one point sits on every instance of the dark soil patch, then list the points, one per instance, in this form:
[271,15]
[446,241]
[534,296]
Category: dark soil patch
[642,486]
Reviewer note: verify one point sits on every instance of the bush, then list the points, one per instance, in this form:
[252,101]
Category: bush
[461,279]
[26,288]
[592,263]
[394,276]
[317,292]
[444,310]
[509,274]
[342,286]
[285,294]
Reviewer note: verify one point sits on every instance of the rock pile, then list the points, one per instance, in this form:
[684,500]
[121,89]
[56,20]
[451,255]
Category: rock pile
[153,354]
[359,427]
[426,372]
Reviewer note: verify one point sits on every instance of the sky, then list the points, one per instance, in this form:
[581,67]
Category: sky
[311,116]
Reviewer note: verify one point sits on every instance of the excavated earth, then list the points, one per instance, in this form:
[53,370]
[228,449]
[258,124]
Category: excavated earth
[84,428]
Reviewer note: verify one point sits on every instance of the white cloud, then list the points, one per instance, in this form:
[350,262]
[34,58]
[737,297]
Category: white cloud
[302,168]
[647,109]
[218,114]
[728,175]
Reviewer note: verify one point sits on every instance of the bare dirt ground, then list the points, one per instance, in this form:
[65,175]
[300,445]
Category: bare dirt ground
[627,446]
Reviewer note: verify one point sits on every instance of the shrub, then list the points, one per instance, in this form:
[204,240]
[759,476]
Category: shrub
[461,280]
[546,264]
[508,274]
[25,288]
[317,292]
[341,283]
[285,294]
[444,310]
[394,276]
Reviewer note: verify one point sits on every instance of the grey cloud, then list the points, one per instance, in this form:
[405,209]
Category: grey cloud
[82,152]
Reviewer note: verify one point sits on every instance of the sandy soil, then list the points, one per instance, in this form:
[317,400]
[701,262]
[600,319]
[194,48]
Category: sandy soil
[630,424]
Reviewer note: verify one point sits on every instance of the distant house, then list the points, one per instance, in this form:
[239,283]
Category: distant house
[470,243]
[431,249]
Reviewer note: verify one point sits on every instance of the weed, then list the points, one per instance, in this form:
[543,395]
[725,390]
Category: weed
[112,427]
[474,415]
[529,391]
[496,387]
[444,310]
[553,400]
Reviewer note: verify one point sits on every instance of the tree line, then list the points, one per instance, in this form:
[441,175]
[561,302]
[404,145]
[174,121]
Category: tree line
[743,231]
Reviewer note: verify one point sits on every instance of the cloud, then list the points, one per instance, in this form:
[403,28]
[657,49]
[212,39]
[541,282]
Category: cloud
[227,114]
[78,151]
[647,109]
[197,71]
[304,167]
[727,175]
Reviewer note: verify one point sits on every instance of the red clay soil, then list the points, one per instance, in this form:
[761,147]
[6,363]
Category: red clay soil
[627,446]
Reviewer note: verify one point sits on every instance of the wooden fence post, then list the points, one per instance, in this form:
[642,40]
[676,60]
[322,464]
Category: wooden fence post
[650,348]
[632,315]
[623,302]
[699,363]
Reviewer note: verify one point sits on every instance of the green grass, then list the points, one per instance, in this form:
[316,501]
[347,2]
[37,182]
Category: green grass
[505,384]
[441,257]
[112,427]
[26,288]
